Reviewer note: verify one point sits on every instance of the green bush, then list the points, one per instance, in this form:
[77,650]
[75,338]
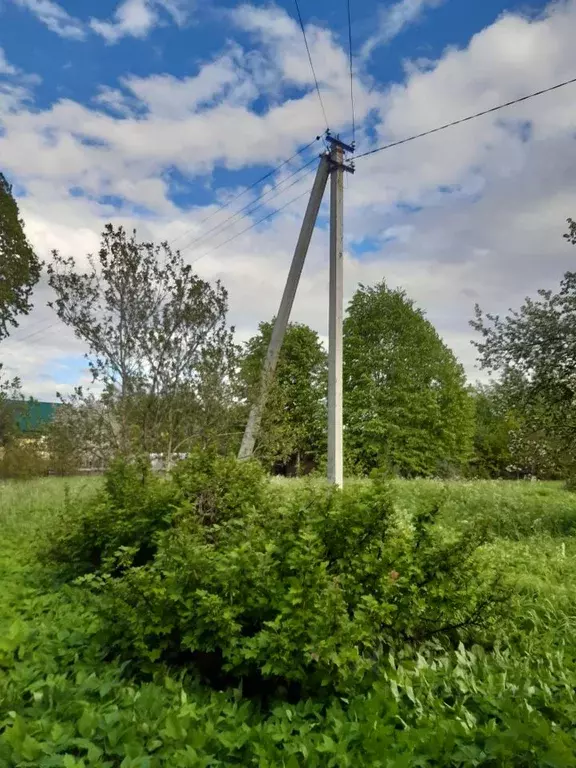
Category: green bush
[130,511]
[217,568]
[21,460]
[61,705]
[135,506]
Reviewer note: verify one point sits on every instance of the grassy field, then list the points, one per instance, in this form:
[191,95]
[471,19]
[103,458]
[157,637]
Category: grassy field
[504,700]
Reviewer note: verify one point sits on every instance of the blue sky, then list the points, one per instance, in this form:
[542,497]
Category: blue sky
[75,68]
[151,112]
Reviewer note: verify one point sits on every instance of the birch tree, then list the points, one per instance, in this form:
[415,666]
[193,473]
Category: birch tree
[159,344]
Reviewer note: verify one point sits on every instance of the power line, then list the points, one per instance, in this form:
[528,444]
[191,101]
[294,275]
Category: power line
[351,72]
[15,338]
[264,198]
[467,119]
[225,205]
[260,205]
[34,333]
[246,189]
[310,60]
[255,224]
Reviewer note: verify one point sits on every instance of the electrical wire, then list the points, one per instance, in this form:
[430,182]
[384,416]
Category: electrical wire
[246,189]
[229,240]
[30,333]
[310,60]
[303,149]
[264,200]
[220,245]
[351,72]
[222,207]
[466,119]
[34,333]
[255,224]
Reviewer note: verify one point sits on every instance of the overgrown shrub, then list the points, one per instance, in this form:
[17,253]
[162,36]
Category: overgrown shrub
[135,506]
[216,568]
[130,511]
[62,705]
[218,488]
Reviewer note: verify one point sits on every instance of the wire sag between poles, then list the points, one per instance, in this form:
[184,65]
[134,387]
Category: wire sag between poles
[251,207]
[467,119]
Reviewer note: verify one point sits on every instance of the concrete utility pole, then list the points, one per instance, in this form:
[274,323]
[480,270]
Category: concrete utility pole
[335,458]
[335,422]
[253,425]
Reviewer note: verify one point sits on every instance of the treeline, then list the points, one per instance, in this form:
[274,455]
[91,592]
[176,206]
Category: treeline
[170,377]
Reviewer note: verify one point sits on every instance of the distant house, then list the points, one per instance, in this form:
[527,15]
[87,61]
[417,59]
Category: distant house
[34,416]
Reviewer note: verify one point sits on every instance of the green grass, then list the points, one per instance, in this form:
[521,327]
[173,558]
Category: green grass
[26,504]
[64,701]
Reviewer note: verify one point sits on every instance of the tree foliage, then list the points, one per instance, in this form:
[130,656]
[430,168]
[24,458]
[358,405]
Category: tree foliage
[19,265]
[12,405]
[510,441]
[20,457]
[495,425]
[158,339]
[406,407]
[23,459]
[79,436]
[293,430]
[534,350]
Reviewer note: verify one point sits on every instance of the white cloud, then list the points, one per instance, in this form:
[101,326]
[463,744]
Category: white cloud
[134,18]
[280,38]
[394,19]
[13,98]
[55,18]
[179,10]
[511,58]
[137,18]
[5,67]
[174,98]
[475,213]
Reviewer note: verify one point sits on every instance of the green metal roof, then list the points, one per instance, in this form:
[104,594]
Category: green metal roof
[35,415]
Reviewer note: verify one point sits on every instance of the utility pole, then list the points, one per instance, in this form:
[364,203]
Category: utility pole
[335,316]
[253,425]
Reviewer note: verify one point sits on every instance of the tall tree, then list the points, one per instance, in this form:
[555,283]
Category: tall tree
[158,339]
[19,265]
[406,404]
[534,350]
[292,435]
